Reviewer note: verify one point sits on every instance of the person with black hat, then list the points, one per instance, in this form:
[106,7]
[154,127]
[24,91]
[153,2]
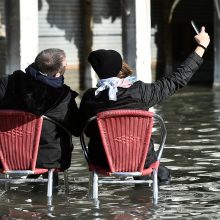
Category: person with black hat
[116,89]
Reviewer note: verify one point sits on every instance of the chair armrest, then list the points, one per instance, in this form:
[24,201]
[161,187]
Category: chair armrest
[82,138]
[163,135]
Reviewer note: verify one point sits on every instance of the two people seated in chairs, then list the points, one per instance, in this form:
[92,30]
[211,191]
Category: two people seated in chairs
[41,90]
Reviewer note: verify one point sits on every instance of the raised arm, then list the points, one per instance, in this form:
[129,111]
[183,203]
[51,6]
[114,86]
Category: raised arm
[169,84]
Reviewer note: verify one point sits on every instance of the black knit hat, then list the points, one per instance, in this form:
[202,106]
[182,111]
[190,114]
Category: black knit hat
[106,63]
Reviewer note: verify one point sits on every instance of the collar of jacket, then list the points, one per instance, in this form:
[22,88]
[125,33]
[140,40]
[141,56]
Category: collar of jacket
[54,82]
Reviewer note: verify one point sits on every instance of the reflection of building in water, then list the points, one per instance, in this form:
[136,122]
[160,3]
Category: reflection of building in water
[80,26]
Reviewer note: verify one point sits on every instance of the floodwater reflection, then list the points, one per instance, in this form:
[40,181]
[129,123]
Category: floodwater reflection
[192,153]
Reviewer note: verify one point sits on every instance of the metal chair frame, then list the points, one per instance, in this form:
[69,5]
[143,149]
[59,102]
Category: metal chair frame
[8,173]
[123,177]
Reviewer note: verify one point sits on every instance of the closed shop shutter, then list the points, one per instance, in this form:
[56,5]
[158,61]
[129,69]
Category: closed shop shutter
[60,27]
[107,28]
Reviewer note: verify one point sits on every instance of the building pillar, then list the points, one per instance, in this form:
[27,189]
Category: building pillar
[143,40]
[136,35]
[216,82]
[87,79]
[21,33]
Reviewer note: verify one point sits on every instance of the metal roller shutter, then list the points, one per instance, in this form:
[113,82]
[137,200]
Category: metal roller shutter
[107,29]
[60,27]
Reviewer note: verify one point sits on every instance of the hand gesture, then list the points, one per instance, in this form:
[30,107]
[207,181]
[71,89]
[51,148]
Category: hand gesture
[203,38]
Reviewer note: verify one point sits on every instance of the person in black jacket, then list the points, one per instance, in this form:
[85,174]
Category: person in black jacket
[116,89]
[41,90]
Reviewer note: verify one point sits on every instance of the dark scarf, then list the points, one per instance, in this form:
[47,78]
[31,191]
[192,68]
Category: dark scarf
[54,82]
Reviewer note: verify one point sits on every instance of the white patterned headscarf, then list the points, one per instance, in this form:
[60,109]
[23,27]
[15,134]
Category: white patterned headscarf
[112,85]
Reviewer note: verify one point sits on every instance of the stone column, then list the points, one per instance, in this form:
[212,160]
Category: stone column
[143,40]
[136,33]
[21,33]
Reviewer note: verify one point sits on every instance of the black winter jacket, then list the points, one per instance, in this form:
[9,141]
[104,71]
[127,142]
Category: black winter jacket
[139,96]
[20,91]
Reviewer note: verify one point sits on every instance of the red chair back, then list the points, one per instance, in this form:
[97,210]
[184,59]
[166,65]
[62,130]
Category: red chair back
[19,139]
[126,136]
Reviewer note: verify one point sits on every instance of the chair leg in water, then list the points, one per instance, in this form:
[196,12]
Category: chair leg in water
[50,183]
[7,186]
[93,185]
[155,186]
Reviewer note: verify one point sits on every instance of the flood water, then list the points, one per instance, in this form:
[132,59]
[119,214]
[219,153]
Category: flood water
[192,153]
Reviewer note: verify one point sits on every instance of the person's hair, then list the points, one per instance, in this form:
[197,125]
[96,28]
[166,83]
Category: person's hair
[50,61]
[125,70]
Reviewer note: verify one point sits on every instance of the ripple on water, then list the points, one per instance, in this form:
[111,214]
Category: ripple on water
[192,153]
